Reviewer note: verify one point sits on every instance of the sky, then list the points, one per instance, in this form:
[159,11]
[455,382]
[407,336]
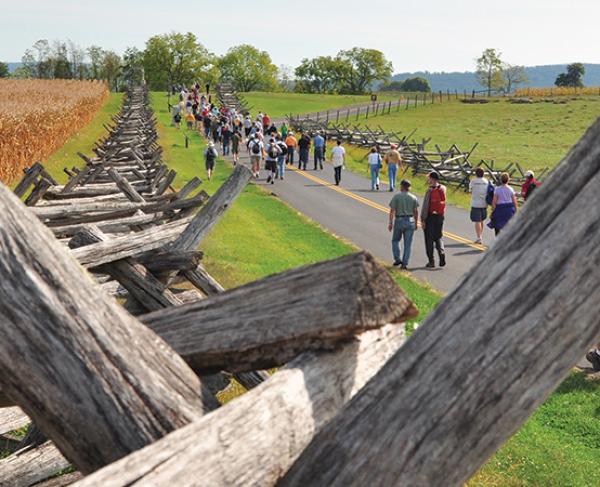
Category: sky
[432,35]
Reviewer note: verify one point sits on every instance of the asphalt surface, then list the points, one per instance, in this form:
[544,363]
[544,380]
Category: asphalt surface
[354,212]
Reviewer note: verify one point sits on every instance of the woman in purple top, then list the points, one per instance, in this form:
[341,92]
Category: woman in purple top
[504,205]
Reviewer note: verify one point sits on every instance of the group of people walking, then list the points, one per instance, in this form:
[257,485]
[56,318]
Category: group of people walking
[404,213]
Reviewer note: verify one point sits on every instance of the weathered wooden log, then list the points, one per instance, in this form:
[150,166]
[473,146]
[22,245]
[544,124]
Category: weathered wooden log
[61,481]
[40,189]
[278,419]
[134,277]
[12,418]
[31,174]
[489,354]
[203,281]
[125,186]
[258,326]
[209,215]
[28,467]
[171,261]
[129,245]
[110,226]
[97,397]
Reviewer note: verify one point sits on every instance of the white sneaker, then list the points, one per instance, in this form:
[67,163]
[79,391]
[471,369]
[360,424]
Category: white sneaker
[478,241]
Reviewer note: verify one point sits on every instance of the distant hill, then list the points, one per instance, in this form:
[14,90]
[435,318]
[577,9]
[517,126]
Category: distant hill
[539,77]
[13,66]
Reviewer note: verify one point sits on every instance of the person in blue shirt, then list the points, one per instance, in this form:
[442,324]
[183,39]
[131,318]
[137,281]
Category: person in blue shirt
[319,152]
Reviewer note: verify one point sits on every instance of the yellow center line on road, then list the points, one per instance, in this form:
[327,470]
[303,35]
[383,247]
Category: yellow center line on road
[379,207]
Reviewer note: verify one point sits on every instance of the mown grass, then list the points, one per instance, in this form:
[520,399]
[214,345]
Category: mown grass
[278,105]
[535,135]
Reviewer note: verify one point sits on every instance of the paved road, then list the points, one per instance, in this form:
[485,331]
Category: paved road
[356,213]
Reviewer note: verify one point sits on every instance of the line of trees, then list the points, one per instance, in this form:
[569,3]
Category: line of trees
[181,59]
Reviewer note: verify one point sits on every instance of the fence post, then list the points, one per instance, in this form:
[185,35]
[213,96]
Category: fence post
[347,114]
[367,116]
[327,117]
[432,97]
[448,93]
[465,94]
[390,107]
[416,99]
[186,141]
[357,113]
[318,116]
[407,102]
[337,118]
[473,94]
[456,93]
[441,97]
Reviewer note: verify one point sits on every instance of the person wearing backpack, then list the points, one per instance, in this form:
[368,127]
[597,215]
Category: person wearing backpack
[478,187]
[432,219]
[374,160]
[282,156]
[529,185]
[256,148]
[210,157]
[273,152]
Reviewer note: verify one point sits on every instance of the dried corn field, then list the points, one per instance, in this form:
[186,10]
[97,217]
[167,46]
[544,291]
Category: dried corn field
[38,116]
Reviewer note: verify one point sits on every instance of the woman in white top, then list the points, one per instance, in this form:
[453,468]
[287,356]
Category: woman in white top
[338,158]
[374,167]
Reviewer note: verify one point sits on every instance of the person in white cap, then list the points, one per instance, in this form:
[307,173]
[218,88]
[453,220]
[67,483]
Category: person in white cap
[210,157]
[529,185]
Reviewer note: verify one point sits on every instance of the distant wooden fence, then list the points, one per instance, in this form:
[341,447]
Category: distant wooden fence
[453,164]
[125,393]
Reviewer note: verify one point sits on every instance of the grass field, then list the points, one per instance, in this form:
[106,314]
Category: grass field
[535,135]
[279,105]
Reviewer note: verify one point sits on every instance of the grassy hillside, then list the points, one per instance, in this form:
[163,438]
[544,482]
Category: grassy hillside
[279,105]
[535,135]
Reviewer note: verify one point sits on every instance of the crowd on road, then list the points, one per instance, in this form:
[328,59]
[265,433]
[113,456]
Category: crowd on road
[275,148]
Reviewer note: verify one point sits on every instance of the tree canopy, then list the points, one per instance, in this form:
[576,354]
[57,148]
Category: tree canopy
[489,70]
[4,73]
[513,75]
[351,71]
[573,77]
[248,69]
[177,58]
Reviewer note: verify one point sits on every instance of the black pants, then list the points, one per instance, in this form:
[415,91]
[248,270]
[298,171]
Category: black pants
[290,155]
[303,161]
[318,157]
[338,174]
[434,225]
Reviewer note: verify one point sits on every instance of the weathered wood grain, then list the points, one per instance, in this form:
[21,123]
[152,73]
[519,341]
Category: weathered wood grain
[258,325]
[12,418]
[256,438]
[97,397]
[134,277]
[30,466]
[489,354]
[210,213]
[31,174]
[129,245]
[125,186]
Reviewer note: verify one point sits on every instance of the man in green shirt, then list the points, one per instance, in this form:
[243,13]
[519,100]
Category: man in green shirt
[404,214]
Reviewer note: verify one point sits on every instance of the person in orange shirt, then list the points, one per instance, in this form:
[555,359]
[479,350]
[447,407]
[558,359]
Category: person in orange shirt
[292,144]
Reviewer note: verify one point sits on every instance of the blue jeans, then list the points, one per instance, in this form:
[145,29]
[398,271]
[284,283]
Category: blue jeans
[404,226]
[281,166]
[392,172]
[374,176]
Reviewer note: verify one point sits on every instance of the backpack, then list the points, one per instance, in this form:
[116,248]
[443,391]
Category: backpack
[489,193]
[273,151]
[210,155]
[256,148]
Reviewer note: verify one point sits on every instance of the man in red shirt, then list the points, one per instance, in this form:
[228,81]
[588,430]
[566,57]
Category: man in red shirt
[266,121]
[432,219]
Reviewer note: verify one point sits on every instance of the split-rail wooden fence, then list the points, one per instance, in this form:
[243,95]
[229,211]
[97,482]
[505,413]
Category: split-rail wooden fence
[116,340]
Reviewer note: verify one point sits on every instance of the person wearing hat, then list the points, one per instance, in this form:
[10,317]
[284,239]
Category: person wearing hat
[432,219]
[404,214]
[210,157]
[529,185]
[291,143]
[393,159]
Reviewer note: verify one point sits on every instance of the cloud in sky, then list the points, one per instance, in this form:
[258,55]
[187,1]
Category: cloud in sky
[415,35]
